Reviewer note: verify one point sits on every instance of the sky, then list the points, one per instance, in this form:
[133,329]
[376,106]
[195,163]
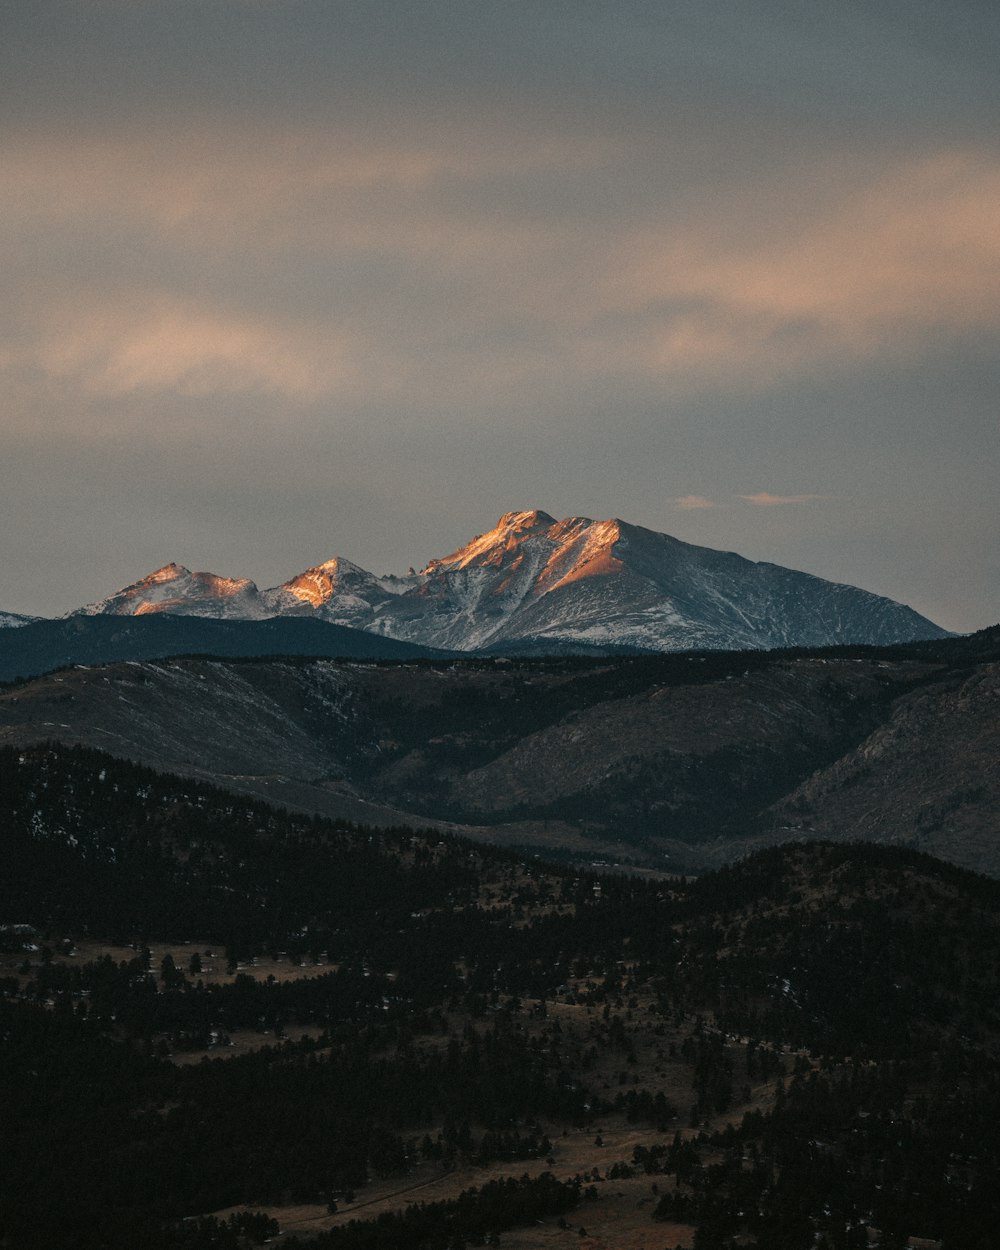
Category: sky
[289,279]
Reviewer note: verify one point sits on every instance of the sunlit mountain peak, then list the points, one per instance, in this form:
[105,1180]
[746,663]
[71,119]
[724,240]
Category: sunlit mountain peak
[174,588]
[317,585]
[532,582]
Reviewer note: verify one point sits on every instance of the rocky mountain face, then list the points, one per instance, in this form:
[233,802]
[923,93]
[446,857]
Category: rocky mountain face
[539,585]
[679,761]
[930,768]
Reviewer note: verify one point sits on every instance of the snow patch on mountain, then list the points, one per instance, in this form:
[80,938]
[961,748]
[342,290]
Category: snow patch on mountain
[14,620]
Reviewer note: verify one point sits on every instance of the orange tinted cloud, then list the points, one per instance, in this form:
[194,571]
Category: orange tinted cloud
[302,262]
[877,264]
[211,181]
[157,342]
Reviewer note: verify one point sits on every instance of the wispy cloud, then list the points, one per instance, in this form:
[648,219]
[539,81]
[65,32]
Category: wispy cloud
[838,262]
[303,260]
[111,346]
[764,499]
[687,503]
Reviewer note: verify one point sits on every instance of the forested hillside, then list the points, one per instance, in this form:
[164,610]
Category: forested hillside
[672,761]
[792,1051]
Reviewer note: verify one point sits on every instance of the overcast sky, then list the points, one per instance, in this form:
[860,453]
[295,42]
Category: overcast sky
[288,279]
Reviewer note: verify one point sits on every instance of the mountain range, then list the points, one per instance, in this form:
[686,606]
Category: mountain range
[679,761]
[536,585]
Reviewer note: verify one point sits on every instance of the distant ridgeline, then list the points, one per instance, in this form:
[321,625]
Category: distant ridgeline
[681,761]
[42,646]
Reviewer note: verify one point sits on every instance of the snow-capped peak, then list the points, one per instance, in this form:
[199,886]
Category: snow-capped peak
[173,588]
[168,573]
[508,533]
[534,542]
[317,585]
[532,579]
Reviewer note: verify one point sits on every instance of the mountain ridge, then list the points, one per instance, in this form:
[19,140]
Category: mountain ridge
[41,646]
[534,581]
[672,760]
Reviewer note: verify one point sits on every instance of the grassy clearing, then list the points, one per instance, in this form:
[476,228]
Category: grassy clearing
[619,1217]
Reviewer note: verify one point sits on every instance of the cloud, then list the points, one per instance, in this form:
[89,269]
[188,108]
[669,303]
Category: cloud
[313,265]
[126,345]
[764,499]
[441,262]
[848,259]
[689,502]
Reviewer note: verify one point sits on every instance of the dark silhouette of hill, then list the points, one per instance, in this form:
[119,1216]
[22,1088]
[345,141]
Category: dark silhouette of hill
[45,645]
[680,761]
